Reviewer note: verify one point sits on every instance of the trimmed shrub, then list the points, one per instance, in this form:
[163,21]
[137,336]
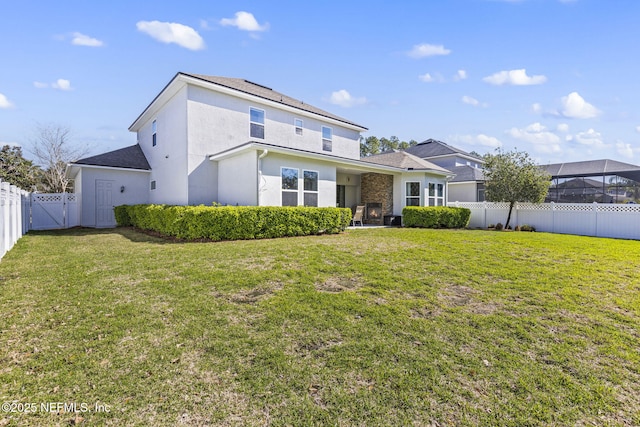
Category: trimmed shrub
[527,227]
[499,226]
[122,215]
[233,222]
[435,217]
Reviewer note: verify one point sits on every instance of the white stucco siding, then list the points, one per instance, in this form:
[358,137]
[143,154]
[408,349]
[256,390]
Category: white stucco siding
[424,179]
[271,188]
[462,192]
[168,159]
[135,183]
[238,180]
[218,122]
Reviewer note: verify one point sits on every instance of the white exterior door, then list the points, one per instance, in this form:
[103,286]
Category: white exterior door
[104,204]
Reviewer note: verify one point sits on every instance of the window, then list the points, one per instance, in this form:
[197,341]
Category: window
[289,187]
[327,138]
[256,123]
[436,194]
[153,185]
[297,123]
[154,128]
[413,194]
[310,188]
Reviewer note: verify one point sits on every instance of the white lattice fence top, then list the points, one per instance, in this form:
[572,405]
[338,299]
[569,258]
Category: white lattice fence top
[534,207]
[573,207]
[72,197]
[44,198]
[619,208]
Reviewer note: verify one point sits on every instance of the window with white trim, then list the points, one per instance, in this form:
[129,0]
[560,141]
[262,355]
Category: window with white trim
[256,123]
[289,186]
[154,129]
[310,188]
[435,195]
[327,138]
[297,123]
[412,194]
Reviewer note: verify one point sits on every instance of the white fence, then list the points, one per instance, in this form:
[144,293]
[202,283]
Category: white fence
[54,211]
[14,215]
[21,211]
[593,219]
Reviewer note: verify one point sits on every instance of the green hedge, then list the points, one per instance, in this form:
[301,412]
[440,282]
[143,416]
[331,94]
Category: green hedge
[233,222]
[435,217]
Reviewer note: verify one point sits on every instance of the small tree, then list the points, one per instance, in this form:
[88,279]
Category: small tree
[53,151]
[513,177]
[17,170]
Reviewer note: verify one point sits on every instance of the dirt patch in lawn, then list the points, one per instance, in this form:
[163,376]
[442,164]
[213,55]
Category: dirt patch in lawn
[339,284]
[466,297]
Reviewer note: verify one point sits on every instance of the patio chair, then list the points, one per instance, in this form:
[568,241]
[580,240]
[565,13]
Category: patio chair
[357,216]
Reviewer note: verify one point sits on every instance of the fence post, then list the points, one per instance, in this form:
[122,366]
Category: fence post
[3,220]
[594,207]
[553,217]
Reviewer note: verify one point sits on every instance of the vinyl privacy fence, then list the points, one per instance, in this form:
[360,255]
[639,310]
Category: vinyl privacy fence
[587,219]
[21,211]
[14,215]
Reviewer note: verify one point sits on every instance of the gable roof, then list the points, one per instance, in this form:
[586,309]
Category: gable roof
[466,174]
[593,168]
[246,87]
[403,160]
[128,158]
[435,148]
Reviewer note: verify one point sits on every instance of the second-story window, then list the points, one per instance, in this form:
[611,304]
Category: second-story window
[327,138]
[256,123]
[154,128]
[297,123]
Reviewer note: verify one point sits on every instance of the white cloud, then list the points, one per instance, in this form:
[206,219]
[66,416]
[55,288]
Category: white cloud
[425,50]
[590,138]
[429,78]
[61,84]
[638,129]
[536,108]
[625,149]
[244,21]
[575,107]
[344,99]
[470,101]
[171,32]
[537,134]
[4,102]
[460,75]
[514,78]
[80,39]
[563,127]
[478,140]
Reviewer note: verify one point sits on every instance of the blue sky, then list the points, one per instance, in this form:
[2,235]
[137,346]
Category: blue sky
[556,78]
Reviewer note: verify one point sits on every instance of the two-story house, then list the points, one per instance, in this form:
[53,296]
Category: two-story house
[207,139]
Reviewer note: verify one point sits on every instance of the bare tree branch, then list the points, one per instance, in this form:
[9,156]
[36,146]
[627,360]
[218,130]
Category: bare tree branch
[53,150]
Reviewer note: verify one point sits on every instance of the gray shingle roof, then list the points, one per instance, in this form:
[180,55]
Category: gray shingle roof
[403,160]
[433,148]
[129,158]
[264,92]
[467,173]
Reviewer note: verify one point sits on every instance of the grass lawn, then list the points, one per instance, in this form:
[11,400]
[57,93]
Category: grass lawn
[370,327]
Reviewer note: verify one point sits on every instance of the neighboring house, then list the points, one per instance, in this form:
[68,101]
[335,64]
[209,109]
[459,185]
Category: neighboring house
[468,183]
[207,139]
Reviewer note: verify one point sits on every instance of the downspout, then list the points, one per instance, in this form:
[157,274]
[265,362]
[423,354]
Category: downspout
[260,177]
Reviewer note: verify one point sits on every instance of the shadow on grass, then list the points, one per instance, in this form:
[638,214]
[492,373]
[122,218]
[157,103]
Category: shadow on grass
[130,233]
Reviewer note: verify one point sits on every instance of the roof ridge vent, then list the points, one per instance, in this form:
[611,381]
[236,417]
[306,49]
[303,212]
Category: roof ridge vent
[256,84]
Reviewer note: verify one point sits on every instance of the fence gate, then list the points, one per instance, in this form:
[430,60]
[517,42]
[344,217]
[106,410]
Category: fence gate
[54,211]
